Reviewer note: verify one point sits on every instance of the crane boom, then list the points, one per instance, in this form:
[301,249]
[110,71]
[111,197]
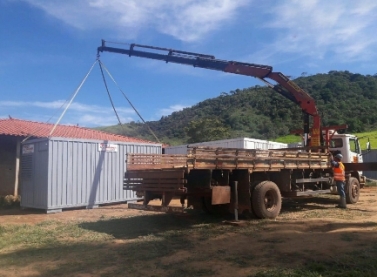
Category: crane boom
[284,86]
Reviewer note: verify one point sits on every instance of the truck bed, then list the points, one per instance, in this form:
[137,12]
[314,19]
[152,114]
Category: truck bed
[204,176]
[227,158]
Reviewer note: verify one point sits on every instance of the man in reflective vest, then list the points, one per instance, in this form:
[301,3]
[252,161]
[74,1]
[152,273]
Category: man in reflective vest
[339,178]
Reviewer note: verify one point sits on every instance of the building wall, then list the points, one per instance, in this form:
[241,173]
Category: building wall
[8,146]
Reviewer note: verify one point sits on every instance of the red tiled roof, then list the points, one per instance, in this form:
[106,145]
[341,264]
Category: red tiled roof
[25,128]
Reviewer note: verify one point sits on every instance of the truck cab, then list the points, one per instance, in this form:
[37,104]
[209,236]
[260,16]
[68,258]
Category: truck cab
[347,145]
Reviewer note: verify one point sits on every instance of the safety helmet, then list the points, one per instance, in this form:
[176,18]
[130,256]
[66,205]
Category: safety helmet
[339,156]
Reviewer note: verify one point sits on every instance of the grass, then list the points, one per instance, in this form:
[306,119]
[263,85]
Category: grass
[167,245]
[9,201]
[321,206]
[349,237]
[370,183]
[288,139]
[48,233]
[363,139]
[356,263]
[242,261]
[112,247]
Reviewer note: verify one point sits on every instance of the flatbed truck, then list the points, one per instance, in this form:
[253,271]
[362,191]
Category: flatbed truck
[219,179]
[252,180]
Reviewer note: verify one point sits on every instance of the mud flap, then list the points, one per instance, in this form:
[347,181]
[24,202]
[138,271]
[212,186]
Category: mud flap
[220,195]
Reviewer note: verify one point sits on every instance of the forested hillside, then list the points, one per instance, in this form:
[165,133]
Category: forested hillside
[259,112]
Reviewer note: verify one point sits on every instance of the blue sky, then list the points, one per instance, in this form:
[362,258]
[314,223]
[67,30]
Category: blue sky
[48,46]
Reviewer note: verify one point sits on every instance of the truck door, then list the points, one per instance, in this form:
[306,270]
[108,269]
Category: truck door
[355,151]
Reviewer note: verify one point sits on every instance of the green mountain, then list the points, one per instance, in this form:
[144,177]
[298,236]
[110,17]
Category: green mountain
[342,97]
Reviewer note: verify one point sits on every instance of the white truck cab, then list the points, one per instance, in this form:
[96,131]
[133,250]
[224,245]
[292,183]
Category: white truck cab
[348,145]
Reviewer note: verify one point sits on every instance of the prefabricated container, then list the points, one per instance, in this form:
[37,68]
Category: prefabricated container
[58,173]
[243,143]
[295,145]
[370,157]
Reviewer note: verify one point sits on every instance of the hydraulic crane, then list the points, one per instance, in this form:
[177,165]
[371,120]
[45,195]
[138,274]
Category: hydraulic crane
[284,86]
[205,176]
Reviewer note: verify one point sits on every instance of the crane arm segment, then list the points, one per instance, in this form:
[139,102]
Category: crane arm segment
[284,86]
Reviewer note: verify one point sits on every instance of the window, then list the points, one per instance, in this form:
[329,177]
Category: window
[336,143]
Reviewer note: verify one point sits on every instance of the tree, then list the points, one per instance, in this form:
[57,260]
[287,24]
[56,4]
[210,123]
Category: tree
[206,129]
[258,112]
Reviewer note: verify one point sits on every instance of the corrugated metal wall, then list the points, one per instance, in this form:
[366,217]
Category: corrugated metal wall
[73,173]
[370,156]
[34,175]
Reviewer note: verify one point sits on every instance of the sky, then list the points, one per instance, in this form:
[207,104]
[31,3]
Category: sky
[49,47]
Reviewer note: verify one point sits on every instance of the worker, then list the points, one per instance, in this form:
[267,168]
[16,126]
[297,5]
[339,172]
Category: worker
[339,178]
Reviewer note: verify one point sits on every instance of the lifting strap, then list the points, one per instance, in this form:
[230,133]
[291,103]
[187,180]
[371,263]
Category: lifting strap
[72,98]
[128,100]
[108,93]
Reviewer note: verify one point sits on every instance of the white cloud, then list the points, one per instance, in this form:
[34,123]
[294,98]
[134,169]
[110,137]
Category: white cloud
[98,120]
[170,110]
[58,104]
[186,20]
[193,21]
[77,113]
[341,29]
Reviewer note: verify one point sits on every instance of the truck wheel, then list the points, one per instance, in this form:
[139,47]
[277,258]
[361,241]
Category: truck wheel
[352,191]
[266,200]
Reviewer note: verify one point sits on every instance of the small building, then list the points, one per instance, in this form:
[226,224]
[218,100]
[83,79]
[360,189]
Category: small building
[242,143]
[74,167]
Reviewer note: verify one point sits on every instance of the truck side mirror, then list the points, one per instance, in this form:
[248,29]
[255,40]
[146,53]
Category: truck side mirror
[368,145]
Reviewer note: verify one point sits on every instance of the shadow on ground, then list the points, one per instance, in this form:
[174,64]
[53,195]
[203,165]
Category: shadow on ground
[144,225]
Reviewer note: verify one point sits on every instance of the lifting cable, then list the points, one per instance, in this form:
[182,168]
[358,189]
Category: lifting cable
[108,93]
[67,105]
[72,98]
[111,101]
[107,71]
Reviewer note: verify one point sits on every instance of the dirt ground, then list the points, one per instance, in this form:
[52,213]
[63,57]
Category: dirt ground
[306,229]
[367,204]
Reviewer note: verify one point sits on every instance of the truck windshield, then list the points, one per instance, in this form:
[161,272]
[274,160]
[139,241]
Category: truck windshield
[336,143]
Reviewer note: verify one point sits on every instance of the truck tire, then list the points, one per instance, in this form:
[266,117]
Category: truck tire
[352,190]
[266,200]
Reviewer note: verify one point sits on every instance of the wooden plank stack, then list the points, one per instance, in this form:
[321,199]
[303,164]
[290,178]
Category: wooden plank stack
[230,158]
